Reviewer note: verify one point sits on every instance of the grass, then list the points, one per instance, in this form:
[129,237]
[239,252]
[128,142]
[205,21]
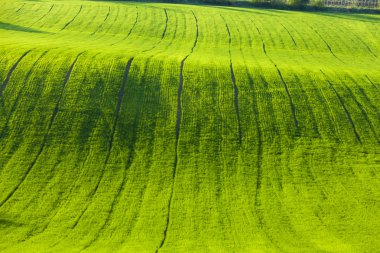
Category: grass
[146,127]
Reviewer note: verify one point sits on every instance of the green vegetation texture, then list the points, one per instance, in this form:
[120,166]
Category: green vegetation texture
[142,127]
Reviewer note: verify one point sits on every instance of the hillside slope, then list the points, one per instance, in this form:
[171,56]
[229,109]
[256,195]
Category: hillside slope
[136,127]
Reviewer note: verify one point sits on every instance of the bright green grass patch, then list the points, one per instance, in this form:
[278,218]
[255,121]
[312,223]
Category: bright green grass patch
[139,127]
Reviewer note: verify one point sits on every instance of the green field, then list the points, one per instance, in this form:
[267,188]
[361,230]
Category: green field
[142,127]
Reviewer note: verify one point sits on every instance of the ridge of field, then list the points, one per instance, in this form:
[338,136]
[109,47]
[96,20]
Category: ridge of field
[142,127]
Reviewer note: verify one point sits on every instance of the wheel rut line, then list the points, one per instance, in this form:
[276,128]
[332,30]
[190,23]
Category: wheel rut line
[55,111]
[128,164]
[19,94]
[261,37]
[72,20]
[257,201]
[364,95]
[108,14]
[163,33]
[42,17]
[130,31]
[366,45]
[259,149]
[292,106]
[329,111]
[291,36]
[20,8]
[56,210]
[177,133]
[101,25]
[368,48]
[373,84]
[110,143]
[362,110]
[236,89]
[327,44]
[6,81]
[344,108]
[166,23]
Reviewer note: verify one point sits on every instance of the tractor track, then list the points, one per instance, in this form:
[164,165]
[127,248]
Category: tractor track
[6,81]
[101,25]
[128,164]
[19,94]
[22,6]
[177,133]
[236,89]
[364,95]
[60,206]
[286,29]
[130,31]
[366,45]
[362,110]
[259,151]
[129,160]
[163,33]
[258,209]
[292,107]
[309,111]
[373,84]
[344,108]
[324,41]
[43,16]
[55,112]
[72,20]
[110,143]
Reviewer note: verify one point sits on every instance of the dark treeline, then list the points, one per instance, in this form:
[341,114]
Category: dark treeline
[360,6]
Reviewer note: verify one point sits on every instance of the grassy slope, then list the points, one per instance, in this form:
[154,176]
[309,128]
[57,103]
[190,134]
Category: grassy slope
[144,127]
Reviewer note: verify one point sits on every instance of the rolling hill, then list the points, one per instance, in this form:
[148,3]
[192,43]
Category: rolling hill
[147,127]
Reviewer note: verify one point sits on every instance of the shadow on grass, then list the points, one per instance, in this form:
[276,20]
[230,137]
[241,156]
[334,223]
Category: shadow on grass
[12,27]
[244,9]
[261,5]
[8,223]
[353,17]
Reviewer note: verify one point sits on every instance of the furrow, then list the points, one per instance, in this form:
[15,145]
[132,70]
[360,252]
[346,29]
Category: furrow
[19,94]
[344,108]
[373,84]
[259,150]
[110,143]
[101,25]
[22,6]
[166,23]
[133,26]
[233,79]
[177,133]
[43,16]
[368,48]
[55,111]
[362,110]
[262,40]
[56,210]
[294,42]
[72,20]
[109,10]
[163,33]
[292,107]
[324,41]
[122,186]
[6,81]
